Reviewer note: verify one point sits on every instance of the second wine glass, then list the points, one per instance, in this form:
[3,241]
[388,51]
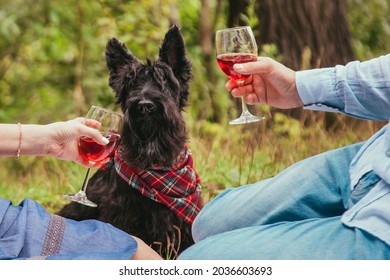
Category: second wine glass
[237,45]
[110,128]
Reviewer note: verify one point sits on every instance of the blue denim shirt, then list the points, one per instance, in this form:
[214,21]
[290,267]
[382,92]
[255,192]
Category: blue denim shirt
[362,90]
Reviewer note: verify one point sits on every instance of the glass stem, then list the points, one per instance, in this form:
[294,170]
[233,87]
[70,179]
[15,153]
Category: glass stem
[245,110]
[86,179]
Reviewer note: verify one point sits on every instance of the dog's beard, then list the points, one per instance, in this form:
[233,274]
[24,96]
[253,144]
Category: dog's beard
[154,140]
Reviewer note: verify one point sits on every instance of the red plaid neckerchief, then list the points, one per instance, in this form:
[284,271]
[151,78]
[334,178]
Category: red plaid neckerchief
[177,187]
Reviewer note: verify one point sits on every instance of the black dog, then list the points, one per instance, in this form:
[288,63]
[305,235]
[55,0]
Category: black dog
[149,188]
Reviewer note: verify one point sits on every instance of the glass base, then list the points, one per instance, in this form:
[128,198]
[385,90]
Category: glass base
[81,198]
[246,117]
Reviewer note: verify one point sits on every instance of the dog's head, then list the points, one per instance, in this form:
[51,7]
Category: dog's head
[152,97]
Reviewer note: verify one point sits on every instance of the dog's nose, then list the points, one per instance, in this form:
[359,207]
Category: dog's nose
[145,106]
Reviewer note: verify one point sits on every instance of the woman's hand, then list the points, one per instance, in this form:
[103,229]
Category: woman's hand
[64,137]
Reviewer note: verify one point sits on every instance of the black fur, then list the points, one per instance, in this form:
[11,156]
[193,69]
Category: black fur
[152,97]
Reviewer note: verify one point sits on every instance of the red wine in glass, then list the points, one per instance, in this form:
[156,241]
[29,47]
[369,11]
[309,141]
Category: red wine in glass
[110,127]
[236,45]
[226,62]
[94,152]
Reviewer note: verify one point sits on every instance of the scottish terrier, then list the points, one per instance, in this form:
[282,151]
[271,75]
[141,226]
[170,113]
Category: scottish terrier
[149,188]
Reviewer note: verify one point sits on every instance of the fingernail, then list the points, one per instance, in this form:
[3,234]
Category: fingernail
[239,66]
[105,140]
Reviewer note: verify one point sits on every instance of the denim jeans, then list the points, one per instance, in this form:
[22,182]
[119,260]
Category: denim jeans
[294,215]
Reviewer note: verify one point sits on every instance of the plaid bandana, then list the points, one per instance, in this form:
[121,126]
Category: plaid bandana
[177,187]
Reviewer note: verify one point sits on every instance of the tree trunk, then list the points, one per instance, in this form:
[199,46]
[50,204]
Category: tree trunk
[206,38]
[308,34]
[78,88]
[236,9]
[300,27]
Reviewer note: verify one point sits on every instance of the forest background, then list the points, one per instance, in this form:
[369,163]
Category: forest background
[52,68]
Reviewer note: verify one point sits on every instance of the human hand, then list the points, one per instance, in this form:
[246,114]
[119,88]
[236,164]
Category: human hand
[144,252]
[270,83]
[64,137]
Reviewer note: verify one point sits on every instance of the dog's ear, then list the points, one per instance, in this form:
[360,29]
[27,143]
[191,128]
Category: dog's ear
[173,53]
[121,63]
[118,56]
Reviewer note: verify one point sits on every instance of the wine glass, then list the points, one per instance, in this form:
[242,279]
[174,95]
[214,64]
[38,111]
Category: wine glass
[111,125]
[237,45]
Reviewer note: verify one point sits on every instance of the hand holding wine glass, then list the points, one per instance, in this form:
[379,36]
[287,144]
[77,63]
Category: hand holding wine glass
[93,152]
[237,45]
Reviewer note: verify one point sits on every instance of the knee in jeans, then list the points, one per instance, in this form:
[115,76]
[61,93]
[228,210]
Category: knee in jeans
[200,228]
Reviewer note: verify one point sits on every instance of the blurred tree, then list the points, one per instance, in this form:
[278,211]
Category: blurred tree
[370,27]
[307,33]
[199,19]
[236,11]
[52,52]
[206,43]
[51,58]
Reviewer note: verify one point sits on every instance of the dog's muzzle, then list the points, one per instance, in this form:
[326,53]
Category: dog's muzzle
[145,107]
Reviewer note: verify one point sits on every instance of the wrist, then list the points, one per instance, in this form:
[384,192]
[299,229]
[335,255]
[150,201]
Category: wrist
[35,140]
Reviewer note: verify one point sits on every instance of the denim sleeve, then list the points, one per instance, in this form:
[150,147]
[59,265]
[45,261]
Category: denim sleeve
[29,231]
[358,89]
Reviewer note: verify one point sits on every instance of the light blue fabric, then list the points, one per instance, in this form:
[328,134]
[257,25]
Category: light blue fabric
[335,205]
[28,231]
[359,89]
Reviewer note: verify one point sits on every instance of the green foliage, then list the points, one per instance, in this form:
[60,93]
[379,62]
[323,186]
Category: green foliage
[52,68]
[250,18]
[370,27]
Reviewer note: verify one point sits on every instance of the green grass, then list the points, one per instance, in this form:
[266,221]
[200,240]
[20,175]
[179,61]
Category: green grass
[224,156]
